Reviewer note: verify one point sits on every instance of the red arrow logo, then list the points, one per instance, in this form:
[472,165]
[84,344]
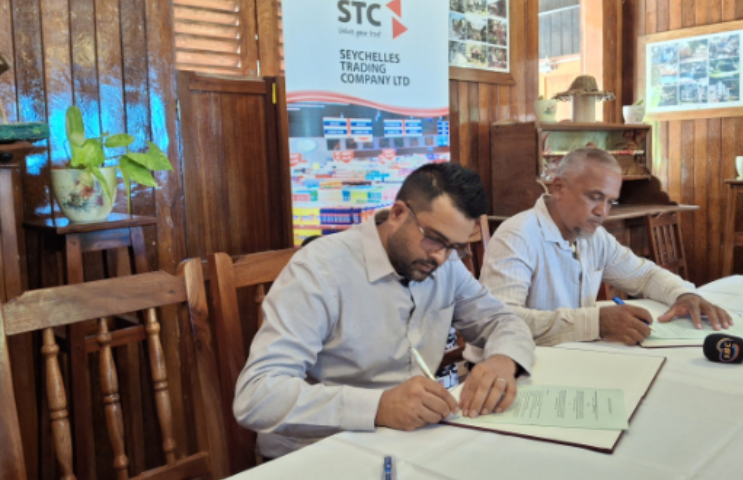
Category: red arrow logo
[397,28]
[396,6]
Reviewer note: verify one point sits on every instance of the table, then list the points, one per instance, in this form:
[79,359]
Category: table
[689,426]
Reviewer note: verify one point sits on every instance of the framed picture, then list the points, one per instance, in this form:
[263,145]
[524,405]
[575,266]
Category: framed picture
[694,73]
[479,41]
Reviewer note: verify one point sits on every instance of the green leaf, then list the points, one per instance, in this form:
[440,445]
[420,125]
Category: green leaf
[119,140]
[134,171]
[90,154]
[162,159]
[154,159]
[127,183]
[102,180]
[75,127]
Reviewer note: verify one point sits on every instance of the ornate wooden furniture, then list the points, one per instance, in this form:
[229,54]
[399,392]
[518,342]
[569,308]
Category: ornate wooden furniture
[733,237]
[233,333]
[477,243]
[121,240]
[523,153]
[13,281]
[667,243]
[98,301]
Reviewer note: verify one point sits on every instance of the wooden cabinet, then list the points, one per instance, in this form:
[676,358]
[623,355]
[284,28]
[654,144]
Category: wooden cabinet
[525,154]
[525,157]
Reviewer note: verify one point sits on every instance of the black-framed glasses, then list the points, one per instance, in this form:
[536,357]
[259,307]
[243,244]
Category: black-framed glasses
[434,245]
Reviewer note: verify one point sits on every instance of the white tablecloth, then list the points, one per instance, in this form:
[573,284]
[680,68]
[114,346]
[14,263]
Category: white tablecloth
[689,426]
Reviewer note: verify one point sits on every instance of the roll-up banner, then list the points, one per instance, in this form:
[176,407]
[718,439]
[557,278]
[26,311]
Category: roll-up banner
[368,98]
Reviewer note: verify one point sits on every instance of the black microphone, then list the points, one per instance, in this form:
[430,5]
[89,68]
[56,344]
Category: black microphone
[722,348]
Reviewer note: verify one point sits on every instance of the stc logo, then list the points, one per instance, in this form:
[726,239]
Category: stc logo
[363,12]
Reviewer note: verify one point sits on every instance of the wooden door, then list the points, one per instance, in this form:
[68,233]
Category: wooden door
[235,164]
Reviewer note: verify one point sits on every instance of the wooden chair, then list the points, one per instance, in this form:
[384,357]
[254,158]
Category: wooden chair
[478,241]
[232,332]
[48,308]
[666,242]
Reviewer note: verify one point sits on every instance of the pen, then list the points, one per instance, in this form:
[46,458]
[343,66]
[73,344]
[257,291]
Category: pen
[421,364]
[619,301]
[388,468]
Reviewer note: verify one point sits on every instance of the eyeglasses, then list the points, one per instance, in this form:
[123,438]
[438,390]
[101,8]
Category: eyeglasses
[434,245]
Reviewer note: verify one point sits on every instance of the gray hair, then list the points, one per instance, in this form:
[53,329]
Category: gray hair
[575,160]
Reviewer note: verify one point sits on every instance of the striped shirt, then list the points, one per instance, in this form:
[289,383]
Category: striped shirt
[531,267]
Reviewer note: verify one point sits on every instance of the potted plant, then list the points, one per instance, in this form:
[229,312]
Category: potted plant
[634,113]
[85,190]
[545,109]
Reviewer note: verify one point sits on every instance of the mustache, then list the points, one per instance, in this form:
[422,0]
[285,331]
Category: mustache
[431,263]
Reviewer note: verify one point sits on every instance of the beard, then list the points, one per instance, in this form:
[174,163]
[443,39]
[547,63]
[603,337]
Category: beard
[581,233]
[400,256]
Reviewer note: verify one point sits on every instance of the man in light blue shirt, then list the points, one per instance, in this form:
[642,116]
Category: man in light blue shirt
[547,263]
[334,352]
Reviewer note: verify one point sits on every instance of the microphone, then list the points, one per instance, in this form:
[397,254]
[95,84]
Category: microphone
[722,348]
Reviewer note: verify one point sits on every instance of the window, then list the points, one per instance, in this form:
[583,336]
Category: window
[559,28]
[211,37]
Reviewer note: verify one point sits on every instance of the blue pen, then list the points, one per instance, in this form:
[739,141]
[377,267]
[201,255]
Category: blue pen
[619,301]
[388,468]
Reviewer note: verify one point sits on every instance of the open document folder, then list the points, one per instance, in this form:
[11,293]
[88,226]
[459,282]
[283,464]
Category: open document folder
[584,371]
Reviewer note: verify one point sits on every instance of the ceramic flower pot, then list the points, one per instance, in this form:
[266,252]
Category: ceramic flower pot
[545,110]
[633,113]
[80,195]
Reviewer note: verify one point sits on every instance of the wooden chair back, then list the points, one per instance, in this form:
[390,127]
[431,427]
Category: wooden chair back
[44,309]
[666,242]
[226,275]
[478,241]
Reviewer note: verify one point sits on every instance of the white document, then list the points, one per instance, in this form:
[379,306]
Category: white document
[632,374]
[681,332]
[560,406]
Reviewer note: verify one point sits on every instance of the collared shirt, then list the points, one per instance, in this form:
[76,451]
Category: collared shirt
[338,325]
[531,267]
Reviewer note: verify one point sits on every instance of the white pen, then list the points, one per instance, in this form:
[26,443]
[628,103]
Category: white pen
[421,364]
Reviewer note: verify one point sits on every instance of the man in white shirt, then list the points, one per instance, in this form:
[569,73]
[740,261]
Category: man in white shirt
[548,263]
[334,351]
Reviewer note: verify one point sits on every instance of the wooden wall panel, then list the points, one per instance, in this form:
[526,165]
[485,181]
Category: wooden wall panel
[697,155]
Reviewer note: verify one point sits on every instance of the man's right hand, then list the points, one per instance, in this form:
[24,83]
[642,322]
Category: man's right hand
[624,323]
[415,403]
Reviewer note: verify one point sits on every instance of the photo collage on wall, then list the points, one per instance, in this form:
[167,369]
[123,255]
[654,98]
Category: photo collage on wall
[478,34]
[694,73]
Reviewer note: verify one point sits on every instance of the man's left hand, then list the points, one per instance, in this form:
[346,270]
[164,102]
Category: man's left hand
[695,306]
[490,386]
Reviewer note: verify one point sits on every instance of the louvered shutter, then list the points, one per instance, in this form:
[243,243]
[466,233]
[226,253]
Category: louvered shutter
[210,36]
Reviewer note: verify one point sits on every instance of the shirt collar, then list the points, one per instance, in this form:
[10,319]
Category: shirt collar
[375,256]
[550,230]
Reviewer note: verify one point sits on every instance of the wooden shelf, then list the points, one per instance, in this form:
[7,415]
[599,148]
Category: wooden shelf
[623,212]
[562,153]
[582,127]
[625,178]
[12,147]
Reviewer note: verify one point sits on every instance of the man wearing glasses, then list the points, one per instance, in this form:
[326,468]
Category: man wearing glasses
[334,352]
[548,263]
